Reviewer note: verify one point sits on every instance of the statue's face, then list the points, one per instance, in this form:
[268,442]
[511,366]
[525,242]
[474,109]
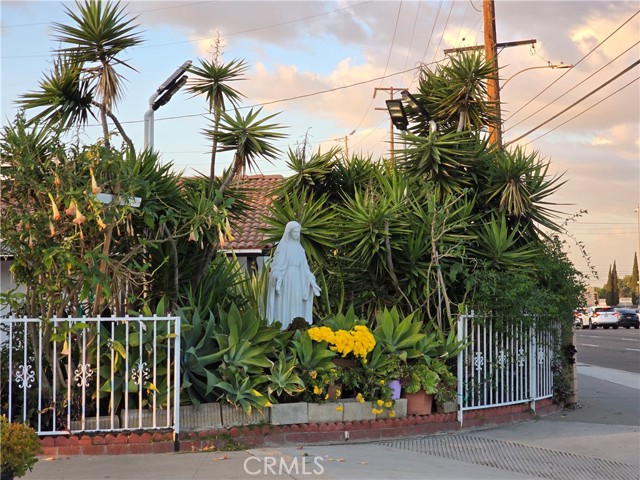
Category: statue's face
[295,233]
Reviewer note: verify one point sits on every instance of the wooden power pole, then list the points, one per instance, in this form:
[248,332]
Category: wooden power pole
[491,54]
[391,90]
[493,82]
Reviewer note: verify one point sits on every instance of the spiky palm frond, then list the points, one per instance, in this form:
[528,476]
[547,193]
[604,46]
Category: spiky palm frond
[66,99]
[446,159]
[211,78]
[250,137]
[101,32]
[314,214]
[519,182]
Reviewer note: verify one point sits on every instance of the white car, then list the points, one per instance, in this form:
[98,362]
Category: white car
[604,317]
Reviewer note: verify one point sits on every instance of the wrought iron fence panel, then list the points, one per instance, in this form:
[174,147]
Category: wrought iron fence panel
[67,375]
[503,366]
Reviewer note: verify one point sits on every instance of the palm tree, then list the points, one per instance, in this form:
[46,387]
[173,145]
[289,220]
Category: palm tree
[211,79]
[84,74]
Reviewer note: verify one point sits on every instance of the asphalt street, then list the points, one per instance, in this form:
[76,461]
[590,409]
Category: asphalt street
[598,441]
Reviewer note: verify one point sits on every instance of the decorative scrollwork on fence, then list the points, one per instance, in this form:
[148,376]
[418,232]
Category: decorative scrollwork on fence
[541,356]
[502,359]
[83,374]
[140,372]
[25,376]
[478,361]
[521,357]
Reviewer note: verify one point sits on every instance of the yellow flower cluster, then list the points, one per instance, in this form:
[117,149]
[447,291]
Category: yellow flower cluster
[359,341]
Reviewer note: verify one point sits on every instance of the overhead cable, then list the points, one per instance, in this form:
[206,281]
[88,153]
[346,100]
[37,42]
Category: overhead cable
[634,64]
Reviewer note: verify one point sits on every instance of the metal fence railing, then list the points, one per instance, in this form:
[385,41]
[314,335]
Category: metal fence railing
[67,375]
[509,365]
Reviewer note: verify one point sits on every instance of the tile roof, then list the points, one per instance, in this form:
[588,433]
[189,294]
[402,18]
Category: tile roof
[258,191]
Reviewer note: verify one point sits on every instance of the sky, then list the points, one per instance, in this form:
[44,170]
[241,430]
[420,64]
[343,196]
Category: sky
[317,65]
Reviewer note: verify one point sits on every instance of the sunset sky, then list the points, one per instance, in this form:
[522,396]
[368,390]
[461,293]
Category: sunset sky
[318,63]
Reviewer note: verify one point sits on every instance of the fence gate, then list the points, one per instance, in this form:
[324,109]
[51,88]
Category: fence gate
[506,366]
[91,374]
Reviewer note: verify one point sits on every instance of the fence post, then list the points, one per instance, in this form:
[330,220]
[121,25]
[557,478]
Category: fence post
[533,367]
[461,320]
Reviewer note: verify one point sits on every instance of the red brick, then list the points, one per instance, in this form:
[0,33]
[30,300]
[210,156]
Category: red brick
[275,439]
[94,449]
[62,441]
[332,436]
[121,438]
[98,440]
[235,432]
[140,448]
[265,430]
[69,450]
[299,437]
[162,448]
[255,440]
[295,428]
[190,446]
[49,452]
[85,440]
[117,449]
[47,441]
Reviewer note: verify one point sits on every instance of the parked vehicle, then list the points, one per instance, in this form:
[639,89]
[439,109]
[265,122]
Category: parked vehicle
[628,317]
[577,316]
[600,316]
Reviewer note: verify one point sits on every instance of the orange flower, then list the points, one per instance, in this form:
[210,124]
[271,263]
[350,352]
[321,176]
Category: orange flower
[56,180]
[95,189]
[80,219]
[72,209]
[101,224]
[54,208]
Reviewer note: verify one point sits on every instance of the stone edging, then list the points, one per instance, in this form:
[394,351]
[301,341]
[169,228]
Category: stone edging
[279,435]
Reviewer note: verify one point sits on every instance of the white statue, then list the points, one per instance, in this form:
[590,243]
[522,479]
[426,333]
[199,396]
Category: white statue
[291,283]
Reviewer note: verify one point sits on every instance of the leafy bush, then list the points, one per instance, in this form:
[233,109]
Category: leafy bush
[19,446]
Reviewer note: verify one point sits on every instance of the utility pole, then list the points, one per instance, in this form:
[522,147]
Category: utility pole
[491,54]
[390,90]
[493,82]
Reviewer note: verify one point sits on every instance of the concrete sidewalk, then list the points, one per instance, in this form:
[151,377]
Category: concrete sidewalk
[600,440]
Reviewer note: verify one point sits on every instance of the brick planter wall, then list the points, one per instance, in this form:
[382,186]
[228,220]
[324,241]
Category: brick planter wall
[278,435]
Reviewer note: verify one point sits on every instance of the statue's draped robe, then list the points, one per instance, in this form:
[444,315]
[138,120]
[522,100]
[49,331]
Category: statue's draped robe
[289,268]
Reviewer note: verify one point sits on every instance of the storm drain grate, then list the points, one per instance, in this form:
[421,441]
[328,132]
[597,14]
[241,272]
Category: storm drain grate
[515,457]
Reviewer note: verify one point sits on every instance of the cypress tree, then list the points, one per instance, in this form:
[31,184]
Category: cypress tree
[607,288]
[615,292]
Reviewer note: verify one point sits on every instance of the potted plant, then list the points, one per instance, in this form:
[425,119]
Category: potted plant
[447,388]
[419,386]
[19,446]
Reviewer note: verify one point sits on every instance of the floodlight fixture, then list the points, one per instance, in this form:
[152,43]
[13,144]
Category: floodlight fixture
[397,114]
[161,97]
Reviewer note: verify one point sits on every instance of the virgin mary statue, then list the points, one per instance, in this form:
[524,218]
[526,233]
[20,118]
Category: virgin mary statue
[291,283]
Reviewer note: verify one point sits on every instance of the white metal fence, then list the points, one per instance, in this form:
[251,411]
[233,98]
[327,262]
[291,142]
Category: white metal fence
[91,374]
[509,365]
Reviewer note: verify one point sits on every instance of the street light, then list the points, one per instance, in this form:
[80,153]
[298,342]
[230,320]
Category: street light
[550,65]
[161,97]
[397,114]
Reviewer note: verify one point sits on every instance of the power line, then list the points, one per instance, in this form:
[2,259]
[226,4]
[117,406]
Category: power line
[155,45]
[574,65]
[572,88]
[585,110]
[575,103]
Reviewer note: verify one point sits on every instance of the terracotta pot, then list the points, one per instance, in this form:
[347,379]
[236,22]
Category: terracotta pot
[418,403]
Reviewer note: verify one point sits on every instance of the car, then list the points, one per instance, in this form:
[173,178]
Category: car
[577,316]
[628,317]
[600,316]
